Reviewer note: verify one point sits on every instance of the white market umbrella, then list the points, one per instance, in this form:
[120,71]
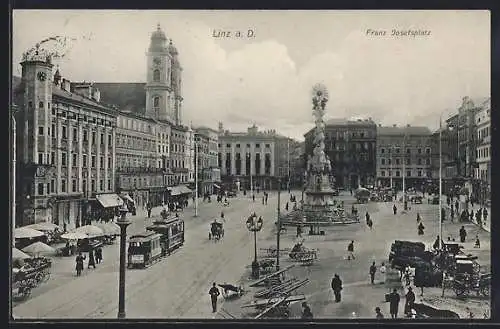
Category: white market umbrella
[26,232]
[74,236]
[109,229]
[90,230]
[38,248]
[18,254]
[45,226]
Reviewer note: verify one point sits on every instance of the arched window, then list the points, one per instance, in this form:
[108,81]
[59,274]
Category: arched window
[156,75]
[156,101]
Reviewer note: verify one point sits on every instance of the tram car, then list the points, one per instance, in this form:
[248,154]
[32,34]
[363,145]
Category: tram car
[171,231]
[144,249]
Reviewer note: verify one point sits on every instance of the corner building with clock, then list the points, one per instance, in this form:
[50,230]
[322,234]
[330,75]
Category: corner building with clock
[79,145]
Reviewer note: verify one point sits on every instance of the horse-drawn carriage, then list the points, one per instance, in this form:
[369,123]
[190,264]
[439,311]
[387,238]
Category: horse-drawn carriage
[302,254]
[216,232]
[32,273]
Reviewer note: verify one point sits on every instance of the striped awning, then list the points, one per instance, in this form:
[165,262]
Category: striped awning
[179,190]
[109,200]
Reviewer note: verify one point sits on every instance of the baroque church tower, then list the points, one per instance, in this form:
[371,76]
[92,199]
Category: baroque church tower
[163,101]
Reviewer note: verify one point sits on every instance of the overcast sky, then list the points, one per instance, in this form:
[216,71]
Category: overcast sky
[267,79]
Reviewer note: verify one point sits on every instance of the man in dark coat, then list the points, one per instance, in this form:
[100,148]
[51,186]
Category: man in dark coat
[79,264]
[463,234]
[214,293]
[306,312]
[350,251]
[395,209]
[91,259]
[394,303]
[337,287]
[373,270]
[410,300]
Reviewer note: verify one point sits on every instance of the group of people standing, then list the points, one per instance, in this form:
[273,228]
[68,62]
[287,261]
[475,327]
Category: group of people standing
[94,257]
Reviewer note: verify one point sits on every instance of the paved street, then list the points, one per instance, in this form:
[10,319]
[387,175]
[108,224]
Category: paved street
[173,288]
[359,295]
[177,287]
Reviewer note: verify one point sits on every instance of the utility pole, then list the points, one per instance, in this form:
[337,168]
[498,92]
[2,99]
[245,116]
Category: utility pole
[288,163]
[405,204]
[13,183]
[278,224]
[196,178]
[440,200]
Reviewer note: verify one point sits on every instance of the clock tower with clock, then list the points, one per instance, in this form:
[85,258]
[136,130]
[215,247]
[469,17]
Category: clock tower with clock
[159,92]
[37,100]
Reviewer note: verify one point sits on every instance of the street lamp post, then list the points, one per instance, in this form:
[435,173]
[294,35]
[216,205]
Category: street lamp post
[196,179]
[123,223]
[405,203]
[278,224]
[254,225]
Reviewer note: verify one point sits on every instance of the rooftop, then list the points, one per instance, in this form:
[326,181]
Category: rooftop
[127,96]
[400,131]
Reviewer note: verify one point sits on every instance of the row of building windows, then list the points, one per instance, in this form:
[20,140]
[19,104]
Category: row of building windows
[340,135]
[134,142]
[135,124]
[483,152]
[248,145]
[408,150]
[74,116]
[408,162]
[74,160]
[177,148]
[43,189]
[483,133]
[408,173]
[74,137]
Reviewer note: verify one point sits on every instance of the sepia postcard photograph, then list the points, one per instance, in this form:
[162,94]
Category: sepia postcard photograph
[250,165]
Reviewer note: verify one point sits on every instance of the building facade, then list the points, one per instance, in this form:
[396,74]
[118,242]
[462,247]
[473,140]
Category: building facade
[287,159]
[179,143]
[483,150]
[351,148]
[404,152]
[247,156]
[65,146]
[209,179]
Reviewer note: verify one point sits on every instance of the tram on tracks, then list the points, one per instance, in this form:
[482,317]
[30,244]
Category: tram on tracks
[144,249]
[171,230]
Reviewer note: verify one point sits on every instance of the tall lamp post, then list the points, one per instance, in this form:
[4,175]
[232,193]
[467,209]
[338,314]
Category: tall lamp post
[254,225]
[123,223]
[278,224]
[196,179]
[405,202]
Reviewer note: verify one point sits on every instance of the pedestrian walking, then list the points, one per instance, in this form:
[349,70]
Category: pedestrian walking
[394,299]
[418,218]
[286,206]
[306,312]
[337,287]
[373,270]
[463,234]
[421,228]
[350,251]
[485,214]
[478,243]
[436,245]
[98,255]
[214,293]
[253,197]
[91,259]
[410,300]
[395,209]
[263,199]
[456,205]
[79,264]
[378,313]
[222,214]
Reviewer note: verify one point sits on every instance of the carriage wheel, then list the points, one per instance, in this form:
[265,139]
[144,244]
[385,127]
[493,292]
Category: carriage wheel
[460,291]
[485,291]
[46,276]
[26,292]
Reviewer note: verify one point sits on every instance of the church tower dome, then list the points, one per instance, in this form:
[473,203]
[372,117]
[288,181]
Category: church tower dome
[171,49]
[158,40]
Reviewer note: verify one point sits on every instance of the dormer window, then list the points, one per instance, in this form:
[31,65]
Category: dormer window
[156,75]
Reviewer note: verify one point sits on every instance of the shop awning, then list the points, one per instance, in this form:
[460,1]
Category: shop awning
[184,189]
[109,200]
[179,190]
[216,186]
[126,196]
[174,190]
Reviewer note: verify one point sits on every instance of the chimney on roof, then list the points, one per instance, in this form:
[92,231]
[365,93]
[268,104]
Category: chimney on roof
[84,89]
[96,94]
